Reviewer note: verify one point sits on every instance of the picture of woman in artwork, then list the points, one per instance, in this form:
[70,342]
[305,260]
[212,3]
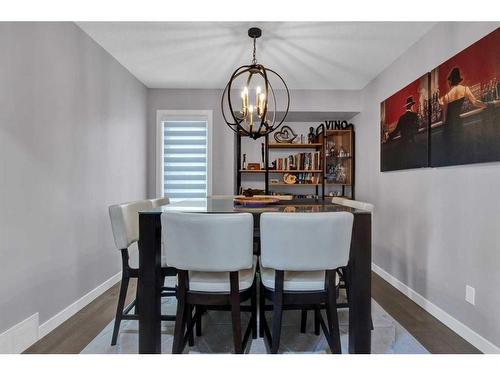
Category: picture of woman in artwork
[451,104]
[453,100]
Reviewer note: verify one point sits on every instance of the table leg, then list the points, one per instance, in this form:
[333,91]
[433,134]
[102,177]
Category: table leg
[360,286]
[149,284]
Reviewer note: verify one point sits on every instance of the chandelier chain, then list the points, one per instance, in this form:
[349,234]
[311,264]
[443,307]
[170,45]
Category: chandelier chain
[254,59]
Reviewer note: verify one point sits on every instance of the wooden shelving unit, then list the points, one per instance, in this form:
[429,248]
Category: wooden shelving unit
[295,145]
[296,171]
[341,138]
[294,185]
[339,161]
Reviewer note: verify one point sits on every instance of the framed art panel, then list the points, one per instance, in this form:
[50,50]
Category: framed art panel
[404,123]
[465,105]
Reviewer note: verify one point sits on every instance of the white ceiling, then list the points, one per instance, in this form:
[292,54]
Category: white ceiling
[309,55]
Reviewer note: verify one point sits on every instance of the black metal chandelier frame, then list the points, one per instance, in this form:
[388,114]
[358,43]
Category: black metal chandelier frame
[266,126]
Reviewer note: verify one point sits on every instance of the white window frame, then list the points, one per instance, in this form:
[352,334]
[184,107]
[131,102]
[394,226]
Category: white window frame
[181,115]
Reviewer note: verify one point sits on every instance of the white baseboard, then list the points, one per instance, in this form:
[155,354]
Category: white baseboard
[76,306]
[24,334]
[458,327]
[20,337]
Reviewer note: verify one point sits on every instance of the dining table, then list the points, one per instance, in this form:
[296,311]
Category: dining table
[150,272]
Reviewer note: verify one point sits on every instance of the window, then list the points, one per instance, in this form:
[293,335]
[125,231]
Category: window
[184,154]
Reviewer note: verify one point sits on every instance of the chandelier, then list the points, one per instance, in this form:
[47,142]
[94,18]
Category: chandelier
[257,115]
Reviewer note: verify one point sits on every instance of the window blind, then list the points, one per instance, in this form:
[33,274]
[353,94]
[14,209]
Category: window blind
[185,159]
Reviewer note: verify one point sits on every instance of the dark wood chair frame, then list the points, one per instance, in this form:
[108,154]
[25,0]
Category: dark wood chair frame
[188,300]
[343,273]
[300,300]
[122,312]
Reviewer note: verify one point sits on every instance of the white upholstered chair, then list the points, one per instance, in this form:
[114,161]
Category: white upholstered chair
[213,255]
[339,200]
[125,225]
[158,202]
[300,253]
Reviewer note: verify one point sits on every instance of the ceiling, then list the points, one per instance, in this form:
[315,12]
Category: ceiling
[309,55]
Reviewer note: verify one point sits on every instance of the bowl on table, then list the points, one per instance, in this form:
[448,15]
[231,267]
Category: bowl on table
[255,201]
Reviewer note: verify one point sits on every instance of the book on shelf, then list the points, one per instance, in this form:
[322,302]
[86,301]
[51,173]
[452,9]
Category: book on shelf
[304,161]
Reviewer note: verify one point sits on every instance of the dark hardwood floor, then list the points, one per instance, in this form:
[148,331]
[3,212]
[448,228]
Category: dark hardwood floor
[74,334]
[430,332]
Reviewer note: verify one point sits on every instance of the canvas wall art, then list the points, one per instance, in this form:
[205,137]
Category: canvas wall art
[465,105]
[404,127]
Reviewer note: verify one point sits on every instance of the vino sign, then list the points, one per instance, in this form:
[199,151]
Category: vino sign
[336,124]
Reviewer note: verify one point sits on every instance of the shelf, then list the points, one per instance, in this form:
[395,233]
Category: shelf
[336,183]
[282,171]
[294,184]
[295,145]
[295,171]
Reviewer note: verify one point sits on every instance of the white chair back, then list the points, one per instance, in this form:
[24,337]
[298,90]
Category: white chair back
[208,242]
[305,241]
[338,200]
[354,204]
[125,222]
[158,202]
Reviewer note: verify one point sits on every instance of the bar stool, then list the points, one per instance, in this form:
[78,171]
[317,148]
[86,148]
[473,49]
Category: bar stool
[158,202]
[125,225]
[300,254]
[214,259]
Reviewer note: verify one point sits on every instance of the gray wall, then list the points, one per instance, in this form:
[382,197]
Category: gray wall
[223,138]
[436,230]
[72,142]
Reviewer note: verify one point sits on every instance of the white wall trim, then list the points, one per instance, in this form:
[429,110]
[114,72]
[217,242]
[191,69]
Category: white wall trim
[76,306]
[168,114]
[19,337]
[458,327]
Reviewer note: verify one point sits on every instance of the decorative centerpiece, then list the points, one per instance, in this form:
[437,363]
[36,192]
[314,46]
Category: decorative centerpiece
[255,201]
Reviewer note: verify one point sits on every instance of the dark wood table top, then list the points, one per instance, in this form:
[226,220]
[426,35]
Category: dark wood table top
[226,205]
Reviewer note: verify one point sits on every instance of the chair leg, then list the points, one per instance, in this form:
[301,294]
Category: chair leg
[331,313]
[199,312]
[253,302]
[235,312]
[136,306]
[316,321]
[181,316]
[303,321]
[189,323]
[119,308]
[345,271]
[262,310]
[277,311]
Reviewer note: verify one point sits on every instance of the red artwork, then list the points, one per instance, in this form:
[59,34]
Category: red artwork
[453,111]
[465,105]
[404,125]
